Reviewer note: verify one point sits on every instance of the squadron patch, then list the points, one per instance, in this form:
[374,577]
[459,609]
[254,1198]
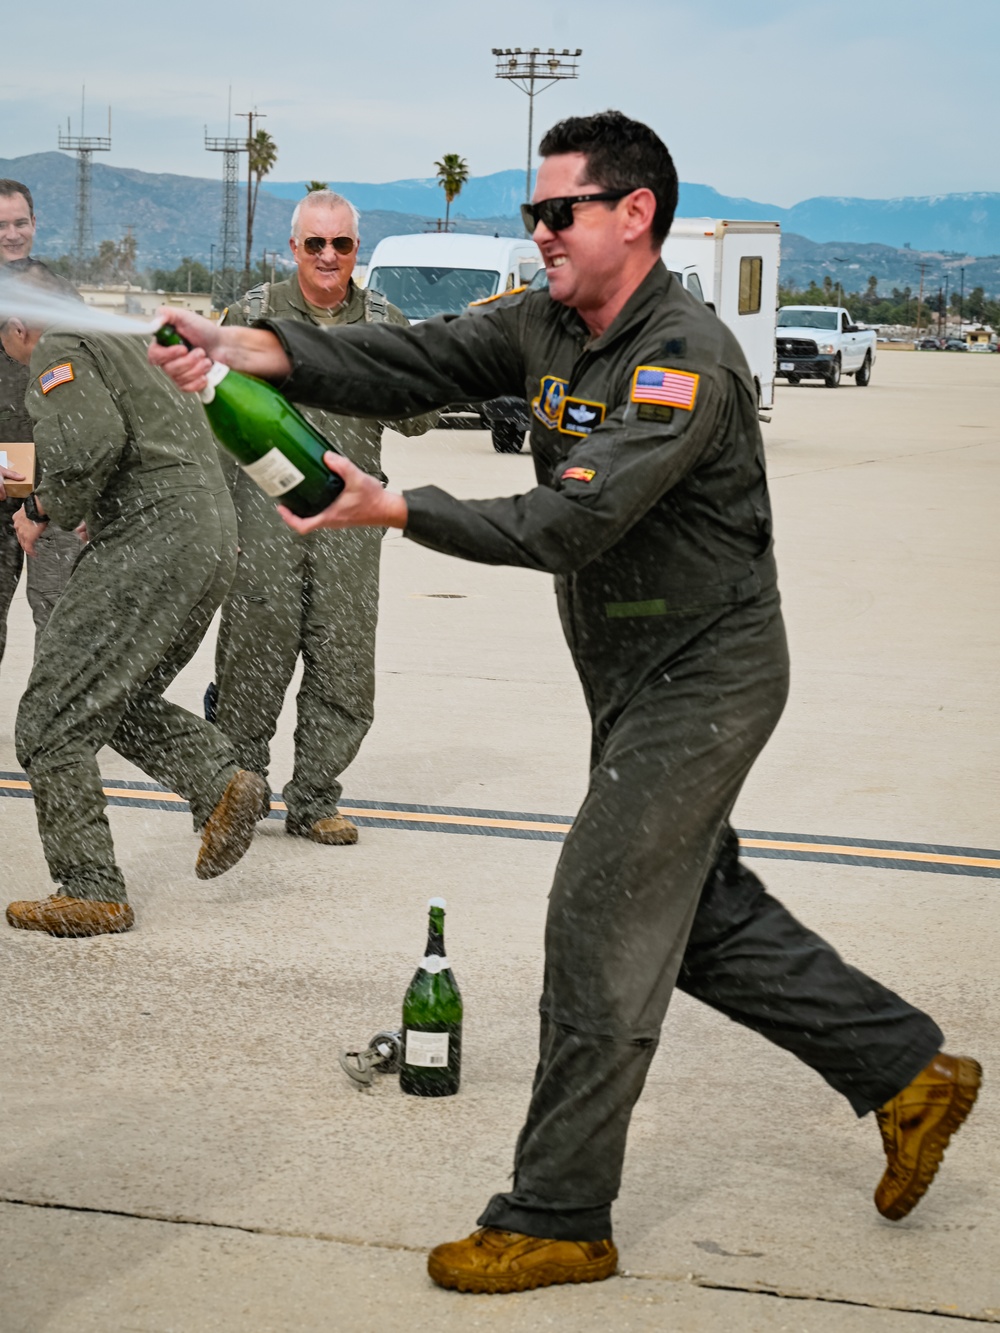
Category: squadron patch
[578,474]
[548,404]
[671,388]
[57,375]
[579,416]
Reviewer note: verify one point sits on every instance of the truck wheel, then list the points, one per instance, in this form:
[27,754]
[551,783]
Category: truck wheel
[793,379]
[863,377]
[508,437]
[833,379]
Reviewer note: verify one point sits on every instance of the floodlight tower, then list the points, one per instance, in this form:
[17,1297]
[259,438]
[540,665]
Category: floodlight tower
[225,277]
[84,145]
[533,71]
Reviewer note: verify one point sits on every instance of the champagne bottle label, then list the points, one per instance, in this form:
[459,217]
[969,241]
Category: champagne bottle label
[435,963]
[429,1050]
[274,474]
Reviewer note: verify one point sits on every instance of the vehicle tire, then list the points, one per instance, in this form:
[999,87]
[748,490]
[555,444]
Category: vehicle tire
[793,379]
[508,437]
[864,375]
[833,379]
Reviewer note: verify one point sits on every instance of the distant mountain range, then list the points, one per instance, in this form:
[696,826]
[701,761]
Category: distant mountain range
[969,223]
[174,217]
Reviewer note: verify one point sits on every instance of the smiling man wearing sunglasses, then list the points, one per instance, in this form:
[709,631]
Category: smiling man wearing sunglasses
[652,512]
[314,596]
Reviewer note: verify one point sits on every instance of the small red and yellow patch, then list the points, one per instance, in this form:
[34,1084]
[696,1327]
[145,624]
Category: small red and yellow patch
[578,474]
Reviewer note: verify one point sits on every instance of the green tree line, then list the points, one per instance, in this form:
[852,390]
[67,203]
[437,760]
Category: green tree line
[899,306]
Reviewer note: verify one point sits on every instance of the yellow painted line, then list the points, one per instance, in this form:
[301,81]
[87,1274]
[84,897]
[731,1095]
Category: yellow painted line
[542,826]
[883,853]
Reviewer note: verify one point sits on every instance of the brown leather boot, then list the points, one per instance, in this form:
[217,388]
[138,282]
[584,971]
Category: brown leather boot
[71,918]
[333,831]
[499,1261]
[916,1126]
[228,831]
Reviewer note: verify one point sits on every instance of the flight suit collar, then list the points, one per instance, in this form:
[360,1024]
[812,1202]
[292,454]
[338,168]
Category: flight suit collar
[352,310]
[646,298]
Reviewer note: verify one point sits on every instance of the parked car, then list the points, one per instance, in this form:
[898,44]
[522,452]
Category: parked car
[822,342]
[955,345]
[927,345]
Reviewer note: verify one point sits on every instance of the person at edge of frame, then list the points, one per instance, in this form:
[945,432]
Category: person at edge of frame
[121,449]
[57,551]
[652,511]
[316,595]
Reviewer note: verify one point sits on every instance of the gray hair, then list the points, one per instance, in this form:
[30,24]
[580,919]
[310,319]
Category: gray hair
[330,199]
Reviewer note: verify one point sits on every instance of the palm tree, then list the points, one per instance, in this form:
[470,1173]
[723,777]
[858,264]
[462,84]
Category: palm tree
[263,153]
[311,186]
[452,173]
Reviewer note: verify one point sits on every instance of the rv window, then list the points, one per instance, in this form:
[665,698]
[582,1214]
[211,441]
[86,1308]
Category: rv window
[694,286]
[750,271]
[423,292]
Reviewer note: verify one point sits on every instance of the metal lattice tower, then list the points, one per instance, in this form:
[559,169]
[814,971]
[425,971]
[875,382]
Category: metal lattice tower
[226,279]
[525,70]
[84,145]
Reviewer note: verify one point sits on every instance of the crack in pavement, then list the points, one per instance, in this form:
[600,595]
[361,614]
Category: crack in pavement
[693,1279]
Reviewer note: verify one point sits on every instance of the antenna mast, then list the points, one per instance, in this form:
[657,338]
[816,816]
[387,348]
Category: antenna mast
[84,145]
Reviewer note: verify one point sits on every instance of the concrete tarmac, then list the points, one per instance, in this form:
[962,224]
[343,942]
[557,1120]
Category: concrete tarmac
[181,1151]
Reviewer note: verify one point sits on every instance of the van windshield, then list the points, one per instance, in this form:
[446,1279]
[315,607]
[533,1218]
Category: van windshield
[423,292]
[805,317]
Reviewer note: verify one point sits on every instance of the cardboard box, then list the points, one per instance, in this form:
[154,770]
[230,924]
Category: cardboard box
[20,457]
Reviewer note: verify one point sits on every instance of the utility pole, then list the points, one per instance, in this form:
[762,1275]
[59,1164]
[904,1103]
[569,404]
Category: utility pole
[533,71]
[84,145]
[250,117]
[961,306]
[923,265]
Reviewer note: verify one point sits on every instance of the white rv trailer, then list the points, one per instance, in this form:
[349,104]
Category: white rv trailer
[733,265]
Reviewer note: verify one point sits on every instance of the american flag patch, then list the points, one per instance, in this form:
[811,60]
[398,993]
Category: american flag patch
[57,375]
[672,388]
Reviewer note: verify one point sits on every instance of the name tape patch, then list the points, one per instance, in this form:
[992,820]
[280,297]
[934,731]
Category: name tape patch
[57,375]
[578,474]
[660,384]
[579,416]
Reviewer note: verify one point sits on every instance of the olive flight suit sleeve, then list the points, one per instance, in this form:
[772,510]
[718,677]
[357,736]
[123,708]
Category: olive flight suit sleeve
[386,371]
[598,491]
[79,432]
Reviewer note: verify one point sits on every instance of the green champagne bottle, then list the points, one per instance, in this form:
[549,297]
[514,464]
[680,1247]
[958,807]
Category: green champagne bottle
[273,442]
[432,1020]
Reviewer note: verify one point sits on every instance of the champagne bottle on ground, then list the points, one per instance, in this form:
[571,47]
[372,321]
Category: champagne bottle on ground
[272,441]
[432,1019]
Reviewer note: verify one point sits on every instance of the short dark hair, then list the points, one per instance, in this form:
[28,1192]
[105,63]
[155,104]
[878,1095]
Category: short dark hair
[9,188]
[620,153]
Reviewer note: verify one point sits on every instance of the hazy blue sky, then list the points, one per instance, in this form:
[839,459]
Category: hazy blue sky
[772,99]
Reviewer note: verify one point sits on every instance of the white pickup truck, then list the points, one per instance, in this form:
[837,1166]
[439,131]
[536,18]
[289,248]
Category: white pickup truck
[822,342]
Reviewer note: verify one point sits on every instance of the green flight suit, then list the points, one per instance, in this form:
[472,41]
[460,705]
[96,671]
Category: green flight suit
[56,551]
[314,595]
[652,511]
[119,447]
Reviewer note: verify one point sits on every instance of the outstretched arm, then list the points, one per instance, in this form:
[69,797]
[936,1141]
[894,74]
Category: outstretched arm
[253,351]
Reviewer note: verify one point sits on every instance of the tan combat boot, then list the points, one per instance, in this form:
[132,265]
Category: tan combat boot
[916,1126]
[333,831]
[228,832]
[71,918]
[500,1261]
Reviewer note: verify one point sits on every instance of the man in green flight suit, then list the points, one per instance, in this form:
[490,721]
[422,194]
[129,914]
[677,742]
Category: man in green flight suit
[652,511]
[313,595]
[119,448]
[56,551]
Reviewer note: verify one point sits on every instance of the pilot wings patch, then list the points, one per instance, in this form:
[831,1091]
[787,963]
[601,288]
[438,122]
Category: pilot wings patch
[579,416]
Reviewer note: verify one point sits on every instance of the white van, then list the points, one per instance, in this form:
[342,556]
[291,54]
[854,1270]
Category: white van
[439,273]
[733,266]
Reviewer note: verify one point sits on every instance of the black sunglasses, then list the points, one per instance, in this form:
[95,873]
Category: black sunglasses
[557,214]
[315,245]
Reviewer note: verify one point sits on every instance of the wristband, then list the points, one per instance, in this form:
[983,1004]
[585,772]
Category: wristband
[31,510]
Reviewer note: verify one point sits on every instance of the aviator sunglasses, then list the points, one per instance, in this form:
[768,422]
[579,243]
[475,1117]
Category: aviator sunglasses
[557,214]
[315,245]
